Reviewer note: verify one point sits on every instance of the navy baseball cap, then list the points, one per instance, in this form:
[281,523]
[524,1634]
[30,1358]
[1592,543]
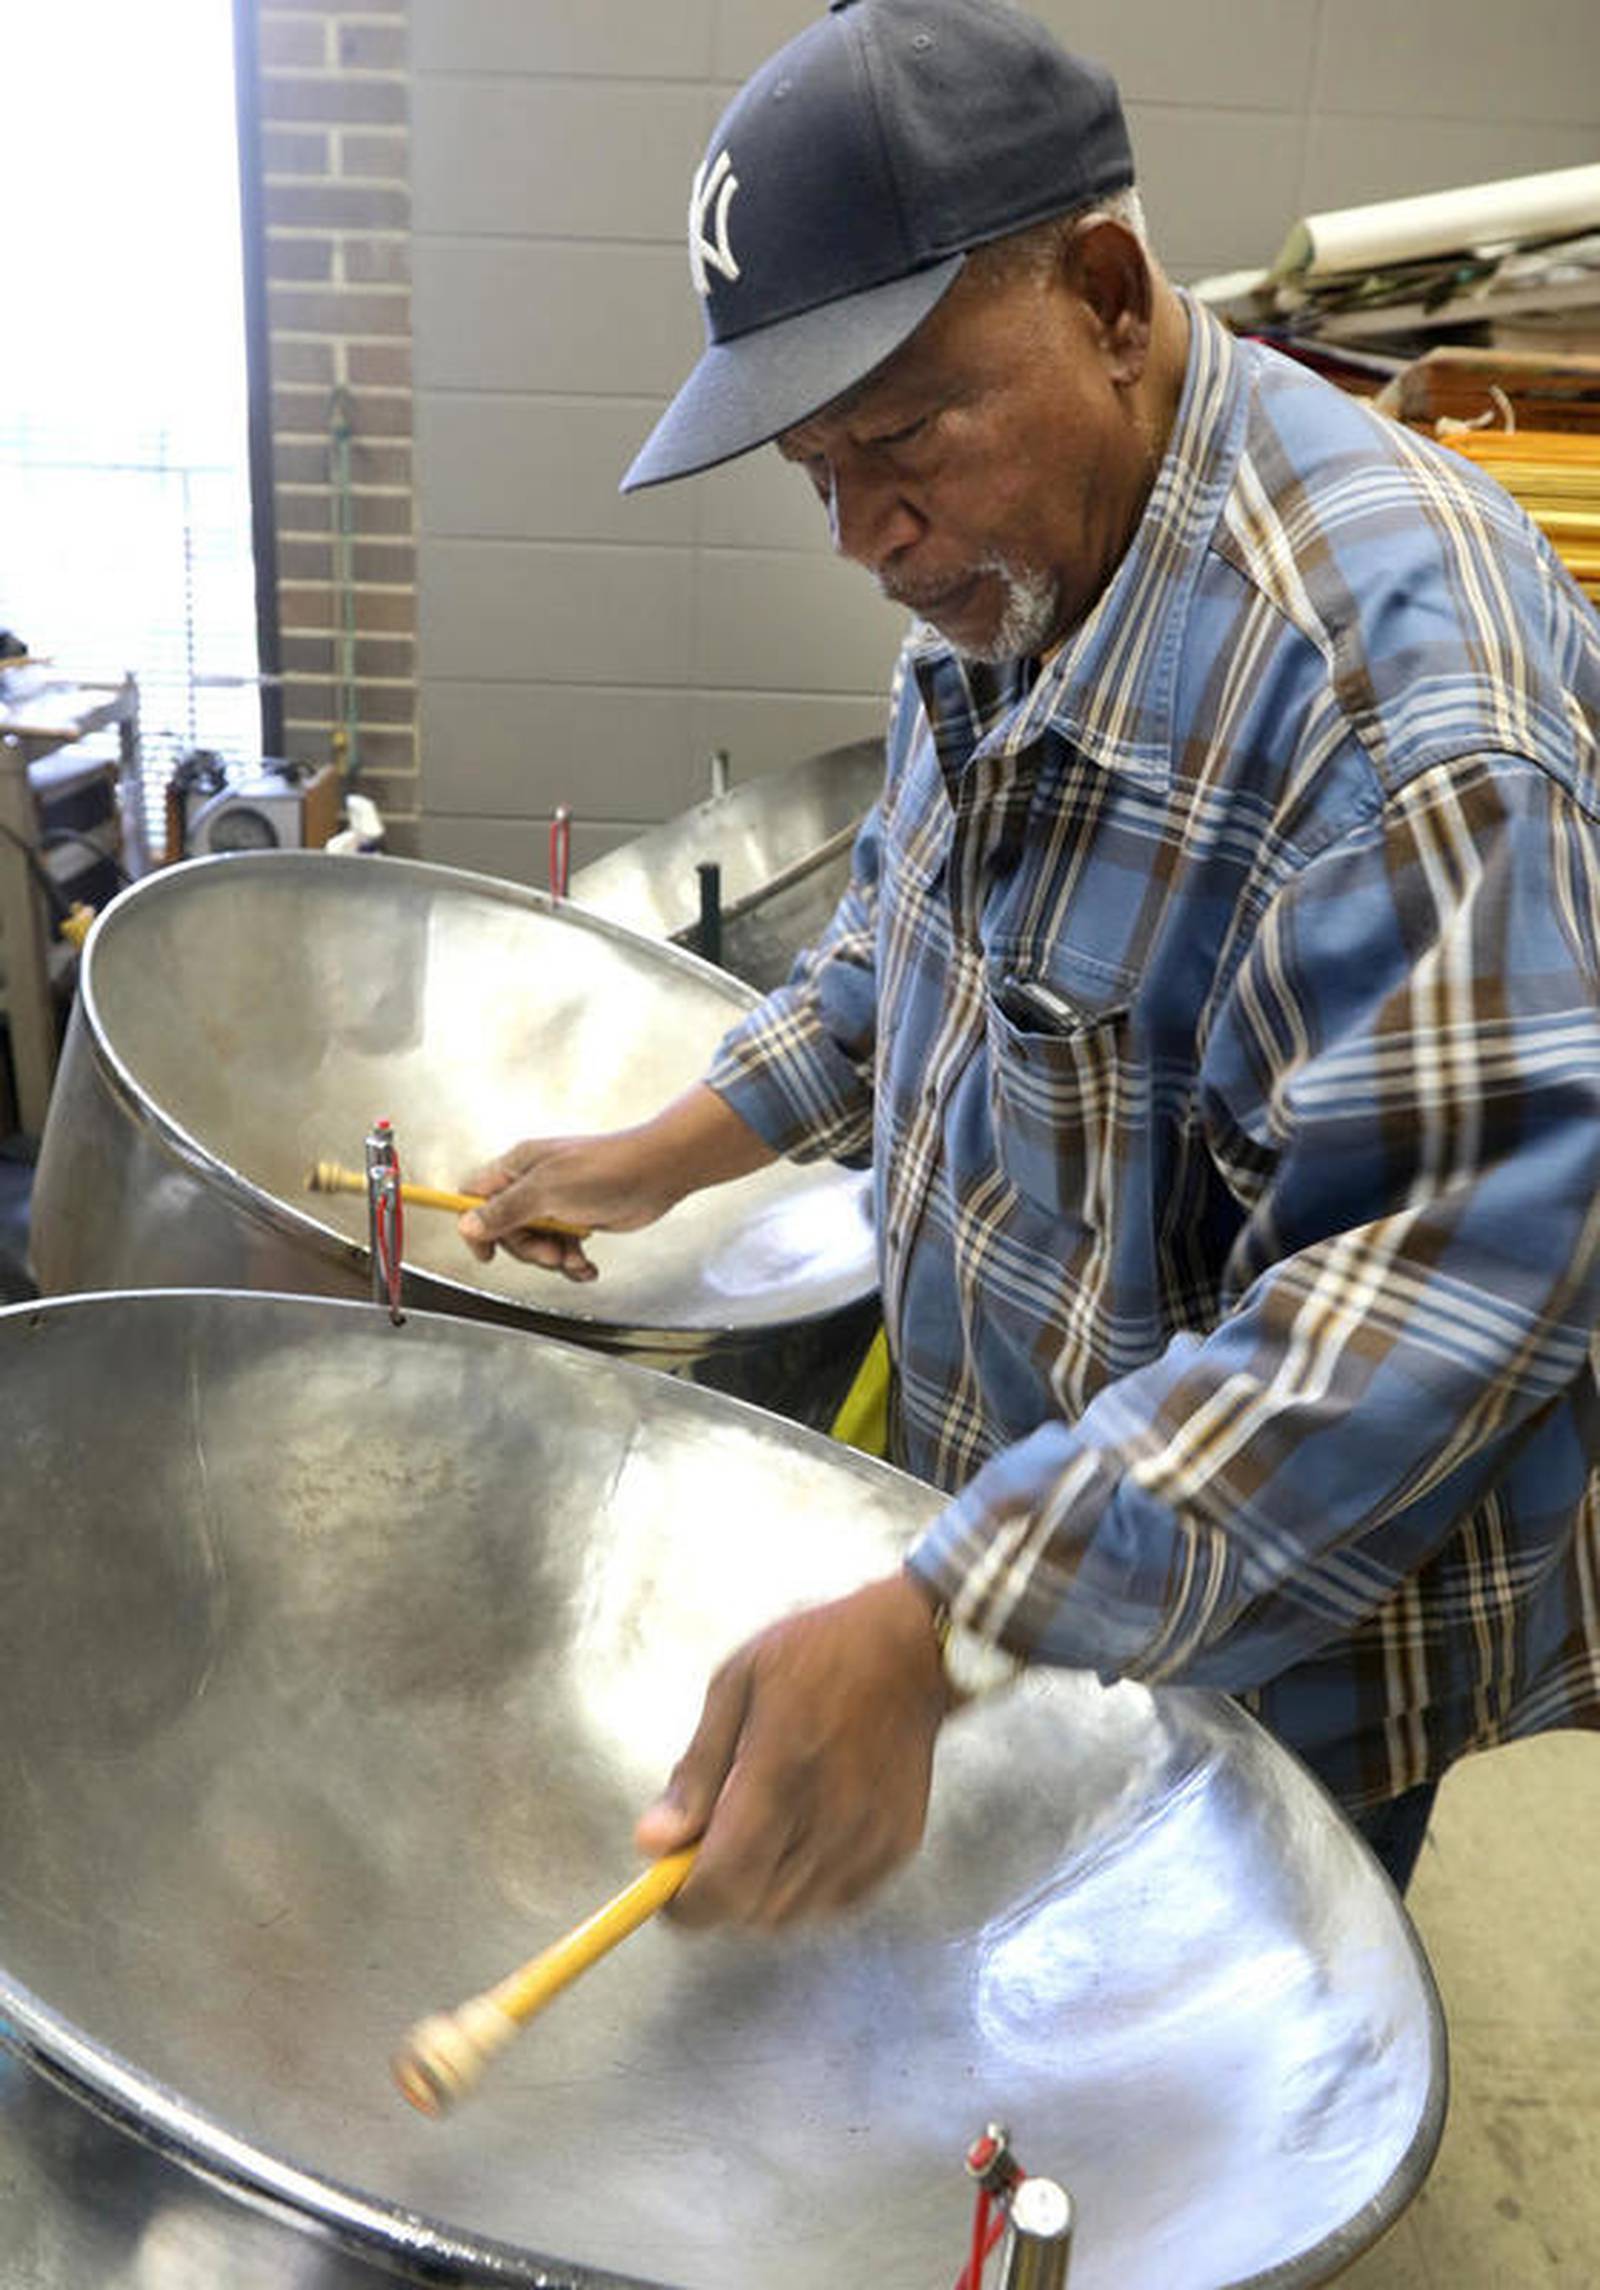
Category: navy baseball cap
[843,189]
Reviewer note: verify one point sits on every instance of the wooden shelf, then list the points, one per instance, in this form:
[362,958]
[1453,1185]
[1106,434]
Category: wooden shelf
[43,720]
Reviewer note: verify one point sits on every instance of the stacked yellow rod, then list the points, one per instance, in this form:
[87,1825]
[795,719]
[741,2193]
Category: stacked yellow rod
[1555,475]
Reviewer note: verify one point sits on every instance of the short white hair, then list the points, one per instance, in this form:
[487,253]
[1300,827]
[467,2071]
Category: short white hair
[1039,246]
[1125,207]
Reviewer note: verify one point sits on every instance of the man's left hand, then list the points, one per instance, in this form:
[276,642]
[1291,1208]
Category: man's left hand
[807,1778]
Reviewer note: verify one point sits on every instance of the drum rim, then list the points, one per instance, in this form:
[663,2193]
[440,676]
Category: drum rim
[302,1227]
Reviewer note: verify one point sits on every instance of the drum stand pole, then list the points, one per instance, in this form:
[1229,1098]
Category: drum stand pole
[384,1226]
[1038,2244]
[1037,2215]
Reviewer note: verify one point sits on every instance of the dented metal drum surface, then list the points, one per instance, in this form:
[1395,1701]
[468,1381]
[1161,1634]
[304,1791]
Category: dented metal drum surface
[335,1663]
[240,1018]
[781,845]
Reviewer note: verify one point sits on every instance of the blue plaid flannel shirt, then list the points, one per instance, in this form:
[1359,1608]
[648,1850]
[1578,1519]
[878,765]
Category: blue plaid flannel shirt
[1219,1006]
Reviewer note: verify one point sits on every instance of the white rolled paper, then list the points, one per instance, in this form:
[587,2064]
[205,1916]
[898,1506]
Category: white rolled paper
[1477,215]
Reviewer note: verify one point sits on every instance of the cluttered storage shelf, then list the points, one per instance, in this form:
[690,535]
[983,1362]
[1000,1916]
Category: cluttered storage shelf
[1531,422]
[65,843]
[1471,315]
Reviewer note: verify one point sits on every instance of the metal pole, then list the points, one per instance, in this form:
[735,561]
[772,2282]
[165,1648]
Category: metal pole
[1038,2240]
[710,940]
[383,1217]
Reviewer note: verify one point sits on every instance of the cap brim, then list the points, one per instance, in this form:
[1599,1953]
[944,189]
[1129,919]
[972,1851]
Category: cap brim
[746,392]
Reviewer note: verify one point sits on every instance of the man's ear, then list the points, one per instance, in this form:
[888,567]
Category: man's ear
[1110,272]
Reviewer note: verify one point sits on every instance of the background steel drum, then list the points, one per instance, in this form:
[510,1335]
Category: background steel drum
[242,1017]
[782,844]
[335,1660]
[85,2207]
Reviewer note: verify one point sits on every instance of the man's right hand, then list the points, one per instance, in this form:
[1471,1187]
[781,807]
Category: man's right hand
[616,1182]
[808,1775]
[602,1183]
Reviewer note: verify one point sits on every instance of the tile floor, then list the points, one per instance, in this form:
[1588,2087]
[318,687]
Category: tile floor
[1507,1899]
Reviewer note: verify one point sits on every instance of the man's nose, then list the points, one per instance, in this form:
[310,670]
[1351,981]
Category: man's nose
[869,518]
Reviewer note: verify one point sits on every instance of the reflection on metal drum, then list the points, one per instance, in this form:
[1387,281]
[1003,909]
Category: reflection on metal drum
[335,1663]
[243,1018]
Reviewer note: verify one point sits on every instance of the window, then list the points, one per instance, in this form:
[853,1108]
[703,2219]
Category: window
[125,526]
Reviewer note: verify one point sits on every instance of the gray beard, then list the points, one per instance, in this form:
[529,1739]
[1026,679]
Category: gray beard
[1027,618]
[1030,602]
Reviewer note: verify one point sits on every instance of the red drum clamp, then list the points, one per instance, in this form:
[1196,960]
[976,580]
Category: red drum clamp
[385,1218]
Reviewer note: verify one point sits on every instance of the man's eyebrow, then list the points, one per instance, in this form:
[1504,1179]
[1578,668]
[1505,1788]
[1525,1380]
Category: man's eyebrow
[841,408]
[902,405]
[898,392]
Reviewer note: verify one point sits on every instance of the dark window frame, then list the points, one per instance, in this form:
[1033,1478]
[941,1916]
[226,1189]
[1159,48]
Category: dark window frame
[258,374]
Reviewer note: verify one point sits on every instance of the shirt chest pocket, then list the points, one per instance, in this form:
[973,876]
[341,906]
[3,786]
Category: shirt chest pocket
[1066,1087]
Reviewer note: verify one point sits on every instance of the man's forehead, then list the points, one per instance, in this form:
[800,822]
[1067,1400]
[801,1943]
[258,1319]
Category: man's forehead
[904,373]
[880,385]
[953,344]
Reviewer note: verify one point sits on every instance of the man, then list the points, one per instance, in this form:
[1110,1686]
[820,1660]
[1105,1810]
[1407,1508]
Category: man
[1216,994]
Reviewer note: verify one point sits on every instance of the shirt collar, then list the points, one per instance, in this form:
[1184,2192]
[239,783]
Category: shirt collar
[1109,690]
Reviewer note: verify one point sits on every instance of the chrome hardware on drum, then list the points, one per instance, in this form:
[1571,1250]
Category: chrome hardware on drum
[242,1018]
[336,1660]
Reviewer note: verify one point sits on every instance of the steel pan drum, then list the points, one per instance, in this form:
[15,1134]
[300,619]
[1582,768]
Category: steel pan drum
[85,2207]
[335,1661]
[240,1018]
[782,844]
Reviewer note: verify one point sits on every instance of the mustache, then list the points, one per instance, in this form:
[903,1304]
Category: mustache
[925,597]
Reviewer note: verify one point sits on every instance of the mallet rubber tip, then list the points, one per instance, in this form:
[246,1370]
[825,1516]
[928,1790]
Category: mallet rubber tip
[445,2054]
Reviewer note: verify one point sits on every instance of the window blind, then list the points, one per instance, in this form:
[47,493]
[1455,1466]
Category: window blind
[125,537]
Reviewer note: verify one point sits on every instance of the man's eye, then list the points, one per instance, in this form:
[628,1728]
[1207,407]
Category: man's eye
[903,435]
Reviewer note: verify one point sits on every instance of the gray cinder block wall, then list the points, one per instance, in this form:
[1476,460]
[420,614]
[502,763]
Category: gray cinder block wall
[578,648]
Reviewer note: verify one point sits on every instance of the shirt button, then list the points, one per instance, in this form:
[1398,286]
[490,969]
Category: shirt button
[897,1234]
[930,1093]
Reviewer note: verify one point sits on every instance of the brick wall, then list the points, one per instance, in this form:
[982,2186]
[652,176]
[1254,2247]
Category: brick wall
[336,211]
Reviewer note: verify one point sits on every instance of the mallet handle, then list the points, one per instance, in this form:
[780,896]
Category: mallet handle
[330,1177]
[527,1990]
[444,2055]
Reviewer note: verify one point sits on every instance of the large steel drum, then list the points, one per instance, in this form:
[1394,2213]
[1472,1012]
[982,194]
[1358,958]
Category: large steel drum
[335,1661]
[781,845]
[240,1018]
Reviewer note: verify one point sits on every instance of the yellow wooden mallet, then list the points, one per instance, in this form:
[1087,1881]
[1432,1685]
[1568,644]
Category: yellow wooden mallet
[331,1177]
[445,2054]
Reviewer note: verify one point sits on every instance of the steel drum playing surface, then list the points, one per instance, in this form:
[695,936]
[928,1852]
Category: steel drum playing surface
[241,1018]
[335,1661]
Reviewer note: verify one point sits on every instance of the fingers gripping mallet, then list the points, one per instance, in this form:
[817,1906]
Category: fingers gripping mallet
[330,1177]
[445,2054]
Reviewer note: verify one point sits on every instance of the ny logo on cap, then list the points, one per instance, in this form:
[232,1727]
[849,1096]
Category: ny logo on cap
[714,188]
